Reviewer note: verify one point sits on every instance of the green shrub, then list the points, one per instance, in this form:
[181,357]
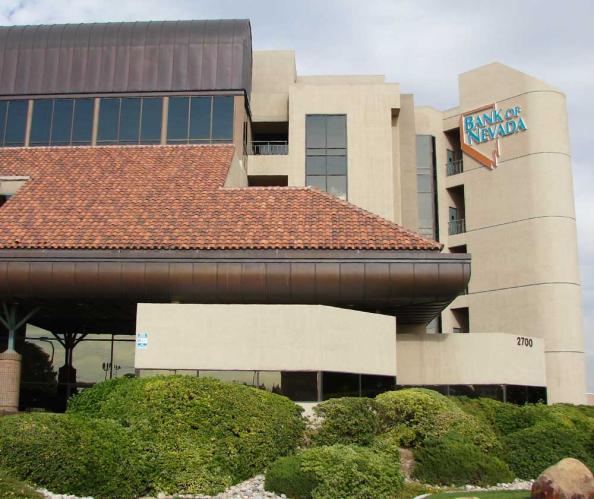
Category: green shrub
[205,434]
[454,461]
[74,455]
[531,450]
[285,476]
[417,414]
[12,488]
[337,471]
[347,420]
[503,418]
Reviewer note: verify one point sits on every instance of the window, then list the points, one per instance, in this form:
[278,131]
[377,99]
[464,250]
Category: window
[13,122]
[200,120]
[326,153]
[426,190]
[130,120]
[60,122]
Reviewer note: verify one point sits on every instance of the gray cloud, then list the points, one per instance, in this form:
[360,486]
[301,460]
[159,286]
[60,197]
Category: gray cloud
[423,45]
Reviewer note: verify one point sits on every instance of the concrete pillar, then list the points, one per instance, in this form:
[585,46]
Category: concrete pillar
[10,380]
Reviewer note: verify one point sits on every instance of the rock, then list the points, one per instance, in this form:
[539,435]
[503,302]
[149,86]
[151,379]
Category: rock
[568,479]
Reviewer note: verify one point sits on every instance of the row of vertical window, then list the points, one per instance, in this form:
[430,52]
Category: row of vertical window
[326,153]
[121,120]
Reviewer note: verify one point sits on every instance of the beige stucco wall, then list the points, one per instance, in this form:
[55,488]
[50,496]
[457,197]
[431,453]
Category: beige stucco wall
[266,338]
[520,222]
[273,71]
[455,359]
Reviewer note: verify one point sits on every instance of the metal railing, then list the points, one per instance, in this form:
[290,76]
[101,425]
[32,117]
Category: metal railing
[454,167]
[269,147]
[457,226]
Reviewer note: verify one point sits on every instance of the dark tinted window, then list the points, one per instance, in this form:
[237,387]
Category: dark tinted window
[300,386]
[177,119]
[129,121]
[41,122]
[16,122]
[326,153]
[222,118]
[372,385]
[152,114]
[82,124]
[62,121]
[200,120]
[109,111]
[200,114]
[3,109]
[426,186]
[339,385]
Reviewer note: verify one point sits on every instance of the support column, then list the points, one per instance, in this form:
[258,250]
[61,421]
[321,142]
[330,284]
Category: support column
[10,360]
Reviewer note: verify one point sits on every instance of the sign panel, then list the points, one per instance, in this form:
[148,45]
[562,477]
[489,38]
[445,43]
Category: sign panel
[489,124]
[141,341]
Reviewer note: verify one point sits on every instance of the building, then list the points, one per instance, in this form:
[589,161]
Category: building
[312,235]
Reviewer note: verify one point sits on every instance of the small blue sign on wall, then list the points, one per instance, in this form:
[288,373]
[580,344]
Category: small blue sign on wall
[141,341]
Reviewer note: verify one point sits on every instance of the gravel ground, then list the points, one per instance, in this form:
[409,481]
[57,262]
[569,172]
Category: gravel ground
[254,489]
[250,489]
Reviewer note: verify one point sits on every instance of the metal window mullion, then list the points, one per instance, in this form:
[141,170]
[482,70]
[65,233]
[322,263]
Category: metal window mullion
[3,138]
[117,139]
[211,118]
[140,121]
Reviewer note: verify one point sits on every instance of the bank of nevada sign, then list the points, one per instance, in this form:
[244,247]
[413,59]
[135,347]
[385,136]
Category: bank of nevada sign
[482,128]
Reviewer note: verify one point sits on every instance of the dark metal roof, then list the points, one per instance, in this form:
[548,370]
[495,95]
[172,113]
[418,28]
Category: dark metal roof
[158,56]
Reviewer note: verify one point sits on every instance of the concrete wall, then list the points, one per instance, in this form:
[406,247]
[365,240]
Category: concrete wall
[457,359]
[520,226]
[266,338]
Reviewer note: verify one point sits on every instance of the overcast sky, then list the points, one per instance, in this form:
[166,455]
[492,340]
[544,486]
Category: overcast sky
[423,45]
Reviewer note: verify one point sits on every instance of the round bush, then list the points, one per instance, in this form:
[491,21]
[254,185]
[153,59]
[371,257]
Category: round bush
[417,414]
[531,450]
[347,420]
[73,455]
[454,461]
[12,488]
[205,434]
[503,418]
[336,471]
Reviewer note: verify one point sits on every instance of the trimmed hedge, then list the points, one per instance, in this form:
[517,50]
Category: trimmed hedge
[12,488]
[73,455]
[339,470]
[204,434]
[347,420]
[531,450]
[454,461]
[417,414]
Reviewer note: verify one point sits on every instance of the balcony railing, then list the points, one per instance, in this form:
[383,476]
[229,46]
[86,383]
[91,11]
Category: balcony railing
[269,147]
[457,226]
[454,167]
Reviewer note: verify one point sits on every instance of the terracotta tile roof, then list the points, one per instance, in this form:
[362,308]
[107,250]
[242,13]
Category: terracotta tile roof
[172,197]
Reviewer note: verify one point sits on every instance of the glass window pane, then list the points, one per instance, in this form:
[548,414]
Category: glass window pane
[315,131]
[152,114]
[129,121]
[82,128]
[316,152]
[200,118]
[41,122]
[109,110]
[62,122]
[315,165]
[300,386]
[318,181]
[339,385]
[3,106]
[16,123]
[337,185]
[336,131]
[177,119]
[336,165]
[222,118]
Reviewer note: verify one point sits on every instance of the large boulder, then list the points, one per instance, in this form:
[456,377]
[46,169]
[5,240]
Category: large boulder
[568,479]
